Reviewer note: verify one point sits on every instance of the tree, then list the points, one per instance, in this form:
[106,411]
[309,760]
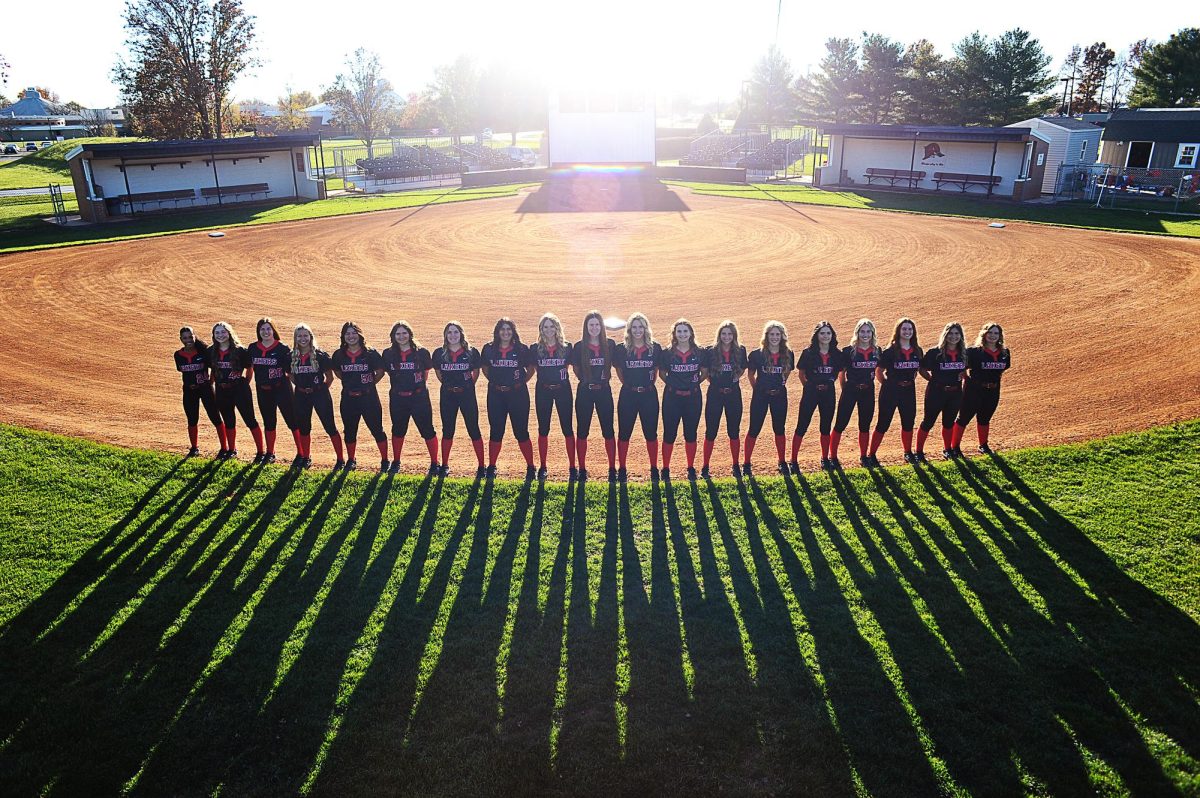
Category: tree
[96,122]
[880,79]
[455,90]
[1169,73]
[291,110]
[1067,75]
[362,98]
[511,100]
[420,113]
[770,97]
[4,67]
[184,56]
[1093,74]
[47,94]
[706,125]
[924,84]
[1019,71]
[1122,71]
[832,95]
[968,80]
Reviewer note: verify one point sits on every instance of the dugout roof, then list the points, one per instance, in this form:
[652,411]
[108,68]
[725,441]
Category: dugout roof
[1153,124]
[194,147]
[943,132]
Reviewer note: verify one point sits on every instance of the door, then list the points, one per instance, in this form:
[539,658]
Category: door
[1139,154]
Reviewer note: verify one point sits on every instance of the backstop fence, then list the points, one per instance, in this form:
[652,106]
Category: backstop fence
[1131,188]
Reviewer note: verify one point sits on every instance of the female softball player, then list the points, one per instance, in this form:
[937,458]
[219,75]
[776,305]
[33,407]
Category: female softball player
[897,374]
[192,361]
[407,366]
[944,367]
[726,363]
[231,370]
[456,364]
[987,361]
[769,366]
[506,363]
[859,360]
[683,367]
[637,362]
[312,374]
[594,357]
[271,360]
[551,357]
[819,367]
[360,367]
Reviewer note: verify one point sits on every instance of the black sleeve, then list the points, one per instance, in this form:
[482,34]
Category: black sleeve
[424,361]
[475,359]
[374,359]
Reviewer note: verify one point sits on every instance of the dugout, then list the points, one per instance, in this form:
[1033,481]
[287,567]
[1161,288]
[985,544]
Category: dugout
[1006,162]
[135,178]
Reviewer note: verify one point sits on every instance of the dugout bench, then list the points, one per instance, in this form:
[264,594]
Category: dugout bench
[893,176]
[965,181]
[234,192]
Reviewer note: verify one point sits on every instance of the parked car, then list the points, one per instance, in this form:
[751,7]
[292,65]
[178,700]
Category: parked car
[30,146]
[10,149]
[524,155]
[45,144]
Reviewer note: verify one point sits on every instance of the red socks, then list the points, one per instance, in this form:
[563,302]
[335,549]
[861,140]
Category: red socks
[432,445]
[796,441]
[622,452]
[922,434]
[690,450]
[750,441]
[305,444]
[581,451]
[570,441]
[652,451]
[734,448]
[906,437]
[982,429]
[493,452]
[477,445]
[835,440]
[876,439]
[350,447]
[826,443]
[194,436]
[526,447]
[296,438]
[397,447]
[947,437]
[270,441]
[667,450]
[447,444]
[863,438]
[543,450]
[610,448]
[258,438]
[336,440]
[382,448]
[221,436]
[231,437]
[780,442]
[708,449]
[959,429]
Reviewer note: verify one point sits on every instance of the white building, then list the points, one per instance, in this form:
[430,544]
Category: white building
[1073,142]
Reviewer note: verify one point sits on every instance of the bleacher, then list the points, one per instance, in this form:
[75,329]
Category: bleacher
[776,155]
[480,158]
[722,149]
[411,164]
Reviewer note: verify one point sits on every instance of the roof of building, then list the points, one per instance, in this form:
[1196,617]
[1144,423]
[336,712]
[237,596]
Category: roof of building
[1067,123]
[33,105]
[945,132]
[1153,124]
[193,147]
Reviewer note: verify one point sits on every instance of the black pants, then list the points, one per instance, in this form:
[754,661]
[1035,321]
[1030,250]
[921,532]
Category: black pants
[631,406]
[940,400]
[319,400]
[718,402]
[503,406]
[193,398]
[978,402]
[366,407]
[450,404]
[762,400]
[597,400]
[416,407]
[855,395]
[546,399]
[897,397]
[236,394]
[814,398]
[676,408]
[277,396]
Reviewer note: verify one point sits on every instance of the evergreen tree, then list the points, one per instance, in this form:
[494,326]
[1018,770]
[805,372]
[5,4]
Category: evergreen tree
[832,95]
[880,79]
[924,100]
[1169,73]
[771,99]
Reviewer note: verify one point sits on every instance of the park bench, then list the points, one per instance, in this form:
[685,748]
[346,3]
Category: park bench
[159,197]
[234,192]
[965,181]
[893,176]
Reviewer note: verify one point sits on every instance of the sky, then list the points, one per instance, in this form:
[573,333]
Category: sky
[703,50]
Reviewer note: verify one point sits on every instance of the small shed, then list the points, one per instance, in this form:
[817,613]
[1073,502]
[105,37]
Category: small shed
[1073,142]
[1152,138]
[128,179]
[996,161]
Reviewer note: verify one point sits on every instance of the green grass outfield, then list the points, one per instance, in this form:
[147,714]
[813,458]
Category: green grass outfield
[1025,624]
[40,169]
[1070,214]
[28,210]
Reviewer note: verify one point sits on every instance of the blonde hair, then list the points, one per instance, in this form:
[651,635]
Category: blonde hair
[649,342]
[296,344]
[542,343]
[234,343]
[674,327]
[962,339]
[984,331]
[783,342]
[865,323]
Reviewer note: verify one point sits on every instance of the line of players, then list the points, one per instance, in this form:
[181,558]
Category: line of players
[962,384]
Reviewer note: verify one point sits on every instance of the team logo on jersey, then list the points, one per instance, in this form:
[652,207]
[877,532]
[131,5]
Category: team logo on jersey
[905,364]
[455,367]
[505,364]
[355,367]
[953,365]
[549,362]
[996,365]
[193,367]
[639,364]
[404,365]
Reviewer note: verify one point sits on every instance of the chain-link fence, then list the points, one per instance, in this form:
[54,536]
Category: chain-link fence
[1131,188]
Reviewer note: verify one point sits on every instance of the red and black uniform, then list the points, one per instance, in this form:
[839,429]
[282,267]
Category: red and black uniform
[820,375]
[981,394]
[593,366]
[312,393]
[271,366]
[233,390]
[360,399]
[457,370]
[769,374]
[198,390]
[681,373]
[553,392]
[507,370]
[898,391]
[943,394]
[638,367]
[858,391]
[408,371]
[725,369]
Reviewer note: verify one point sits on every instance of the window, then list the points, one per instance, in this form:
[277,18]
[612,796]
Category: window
[1083,150]
[1186,158]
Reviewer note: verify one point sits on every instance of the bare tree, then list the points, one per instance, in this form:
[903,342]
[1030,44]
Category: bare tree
[95,122]
[362,98]
[291,110]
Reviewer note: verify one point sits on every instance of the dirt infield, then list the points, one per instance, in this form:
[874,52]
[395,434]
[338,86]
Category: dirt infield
[1092,318]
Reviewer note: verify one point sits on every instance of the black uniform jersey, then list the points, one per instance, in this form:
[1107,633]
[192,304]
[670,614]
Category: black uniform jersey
[900,364]
[985,366]
[357,370]
[638,364]
[860,364]
[456,368]
[271,363]
[594,362]
[310,370]
[230,365]
[725,368]
[770,369]
[506,366]
[406,369]
[946,368]
[551,363]
[820,368]
[681,370]
[194,367]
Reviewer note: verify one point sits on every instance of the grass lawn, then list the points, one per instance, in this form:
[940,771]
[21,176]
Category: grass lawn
[41,168]
[1020,625]
[48,236]
[29,210]
[1070,214]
